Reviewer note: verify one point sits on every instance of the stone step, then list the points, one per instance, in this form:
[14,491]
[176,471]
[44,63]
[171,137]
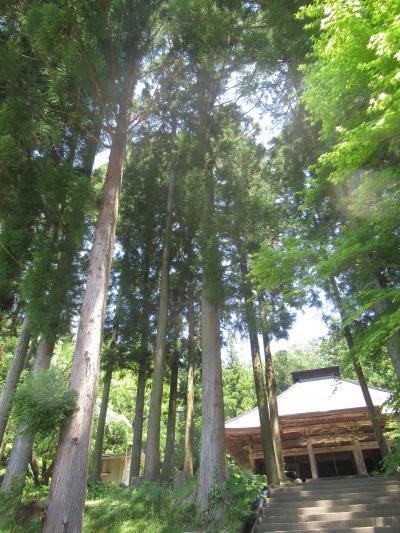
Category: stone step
[380,521]
[333,516]
[335,494]
[346,529]
[350,479]
[343,500]
[368,485]
[314,486]
[302,513]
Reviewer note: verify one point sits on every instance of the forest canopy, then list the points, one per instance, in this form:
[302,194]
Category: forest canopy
[179,178]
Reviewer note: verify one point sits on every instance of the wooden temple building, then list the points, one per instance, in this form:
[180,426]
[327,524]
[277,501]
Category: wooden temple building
[325,428]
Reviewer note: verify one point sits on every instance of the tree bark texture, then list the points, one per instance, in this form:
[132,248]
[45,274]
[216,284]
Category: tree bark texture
[21,452]
[189,422]
[273,404]
[101,425]
[168,463]
[372,411]
[14,374]
[152,457]
[271,393]
[212,456]
[138,422]
[136,454]
[68,487]
[259,383]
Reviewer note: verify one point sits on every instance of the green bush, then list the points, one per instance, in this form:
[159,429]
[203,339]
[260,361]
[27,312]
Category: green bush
[43,402]
[391,461]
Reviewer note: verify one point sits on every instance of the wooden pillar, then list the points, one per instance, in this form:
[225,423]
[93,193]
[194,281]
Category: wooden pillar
[359,458]
[251,456]
[313,461]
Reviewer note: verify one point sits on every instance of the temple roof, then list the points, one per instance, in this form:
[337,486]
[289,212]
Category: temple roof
[327,371]
[314,394]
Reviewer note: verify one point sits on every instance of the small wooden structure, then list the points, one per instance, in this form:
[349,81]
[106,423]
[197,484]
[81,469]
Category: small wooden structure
[325,428]
[115,467]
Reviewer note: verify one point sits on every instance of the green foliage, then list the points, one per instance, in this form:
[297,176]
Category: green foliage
[391,461]
[13,503]
[158,509]
[42,402]
[353,85]
[7,346]
[238,381]
[150,507]
[242,489]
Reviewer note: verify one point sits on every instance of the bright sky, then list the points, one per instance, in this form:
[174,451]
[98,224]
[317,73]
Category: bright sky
[101,159]
[308,326]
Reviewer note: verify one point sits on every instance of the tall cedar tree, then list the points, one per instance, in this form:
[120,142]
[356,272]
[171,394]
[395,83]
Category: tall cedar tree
[68,488]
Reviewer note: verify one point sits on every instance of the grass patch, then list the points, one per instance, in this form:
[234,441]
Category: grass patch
[149,508]
[153,508]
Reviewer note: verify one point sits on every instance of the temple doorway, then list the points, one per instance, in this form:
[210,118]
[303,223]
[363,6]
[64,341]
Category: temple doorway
[372,460]
[333,464]
[300,464]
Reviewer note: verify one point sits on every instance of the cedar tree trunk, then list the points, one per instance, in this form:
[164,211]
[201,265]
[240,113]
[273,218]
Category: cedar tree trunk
[372,412]
[271,393]
[189,423]
[136,454]
[35,470]
[259,383]
[152,457]
[96,474]
[168,463]
[14,374]
[68,487]
[212,456]
[138,422]
[21,452]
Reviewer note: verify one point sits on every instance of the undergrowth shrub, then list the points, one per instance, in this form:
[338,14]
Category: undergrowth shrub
[17,512]
[391,461]
[43,401]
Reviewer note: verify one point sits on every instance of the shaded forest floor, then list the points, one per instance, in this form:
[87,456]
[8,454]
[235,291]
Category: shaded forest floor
[150,508]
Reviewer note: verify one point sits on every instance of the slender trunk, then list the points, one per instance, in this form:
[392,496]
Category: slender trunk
[372,412]
[189,423]
[31,352]
[271,393]
[136,455]
[14,374]
[35,470]
[47,473]
[168,463]
[2,449]
[152,457]
[68,488]
[259,383]
[21,452]
[96,474]
[212,456]
[138,422]
[271,467]
[273,403]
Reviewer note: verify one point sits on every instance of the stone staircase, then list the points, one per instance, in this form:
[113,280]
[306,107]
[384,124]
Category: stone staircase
[352,504]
